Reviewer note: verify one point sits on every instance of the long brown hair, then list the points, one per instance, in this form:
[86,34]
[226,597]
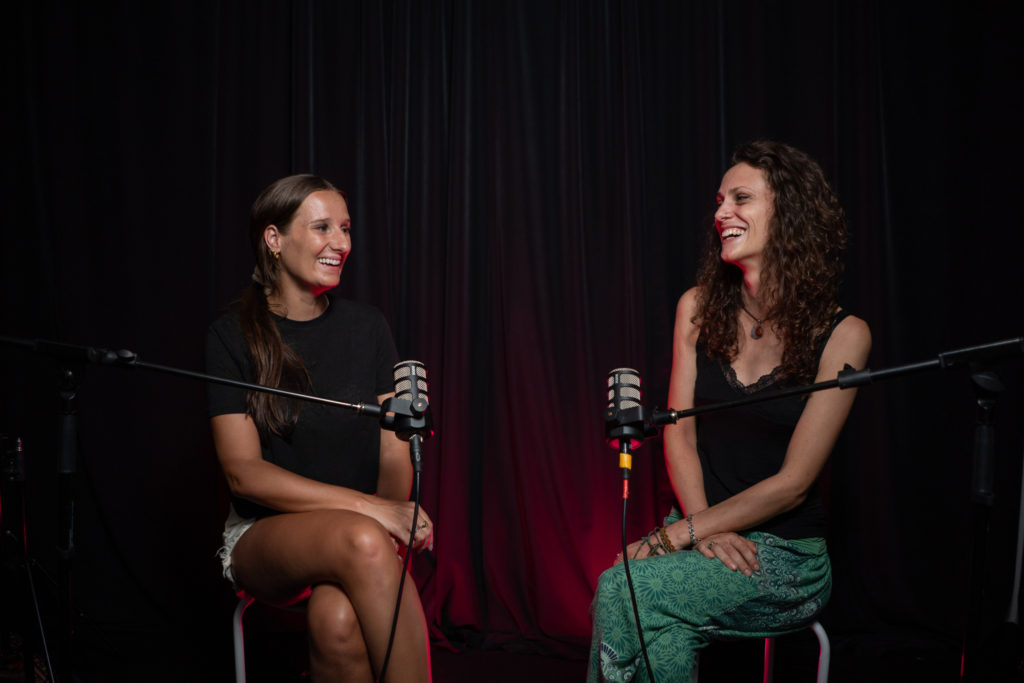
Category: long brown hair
[803,263]
[274,363]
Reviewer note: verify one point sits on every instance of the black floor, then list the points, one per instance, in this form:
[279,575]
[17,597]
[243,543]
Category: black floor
[279,658]
[796,662]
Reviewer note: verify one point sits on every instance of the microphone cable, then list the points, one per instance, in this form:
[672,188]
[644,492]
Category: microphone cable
[415,421]
[624,456]
[626,427]
[405,569]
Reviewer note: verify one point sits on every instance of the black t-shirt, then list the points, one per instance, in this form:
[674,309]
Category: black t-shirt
[350,354]
[739,447]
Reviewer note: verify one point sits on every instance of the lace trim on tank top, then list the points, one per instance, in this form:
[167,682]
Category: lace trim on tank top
[763,382]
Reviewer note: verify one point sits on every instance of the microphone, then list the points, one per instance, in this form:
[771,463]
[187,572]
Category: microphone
[407,413]
[624,418]
[411,384]
[625,426]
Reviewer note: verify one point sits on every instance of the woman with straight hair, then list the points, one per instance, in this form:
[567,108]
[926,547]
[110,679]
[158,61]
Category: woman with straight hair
[319,496]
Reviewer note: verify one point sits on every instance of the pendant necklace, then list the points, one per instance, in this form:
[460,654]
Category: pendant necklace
[757,331]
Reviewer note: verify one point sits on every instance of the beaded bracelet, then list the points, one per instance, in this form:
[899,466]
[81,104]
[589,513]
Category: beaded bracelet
[693,537]
[654,547]
[665,540]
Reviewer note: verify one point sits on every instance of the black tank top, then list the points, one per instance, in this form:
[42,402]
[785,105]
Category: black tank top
[739,447]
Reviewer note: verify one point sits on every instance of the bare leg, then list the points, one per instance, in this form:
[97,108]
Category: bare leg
[281,555]
[337,651]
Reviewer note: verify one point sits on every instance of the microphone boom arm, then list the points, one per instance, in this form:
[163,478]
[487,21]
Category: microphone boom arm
[849,377]
[125,358]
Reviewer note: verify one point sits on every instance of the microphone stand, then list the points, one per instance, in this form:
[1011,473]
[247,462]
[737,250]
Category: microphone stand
[411,421]
[987,389]
[14,537]
[627,429]
[409,418]
[67,469]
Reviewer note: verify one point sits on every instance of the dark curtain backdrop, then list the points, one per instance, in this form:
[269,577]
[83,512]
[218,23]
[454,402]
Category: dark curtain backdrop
[530,184]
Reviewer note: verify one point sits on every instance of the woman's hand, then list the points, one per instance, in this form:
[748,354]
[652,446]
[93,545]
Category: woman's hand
[424,532]
[734,551]
[396,517]
[650,545]
[633,549]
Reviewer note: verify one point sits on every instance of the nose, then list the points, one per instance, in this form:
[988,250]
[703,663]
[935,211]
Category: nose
[722,212]
[341,241]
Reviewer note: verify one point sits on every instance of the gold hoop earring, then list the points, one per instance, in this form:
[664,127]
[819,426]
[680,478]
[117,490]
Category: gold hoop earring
[277,255]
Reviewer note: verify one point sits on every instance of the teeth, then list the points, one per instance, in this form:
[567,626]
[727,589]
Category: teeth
[329,261]
[731,232]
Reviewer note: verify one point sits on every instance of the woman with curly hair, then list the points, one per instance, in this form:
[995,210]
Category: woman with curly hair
[744,554]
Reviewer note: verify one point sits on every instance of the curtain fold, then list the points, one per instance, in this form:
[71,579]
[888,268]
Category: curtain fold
[530,185]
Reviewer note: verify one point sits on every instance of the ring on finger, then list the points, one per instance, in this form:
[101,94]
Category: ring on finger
[712,544]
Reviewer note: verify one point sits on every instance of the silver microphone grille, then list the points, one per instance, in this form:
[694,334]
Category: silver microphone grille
[410,380]
[626,382]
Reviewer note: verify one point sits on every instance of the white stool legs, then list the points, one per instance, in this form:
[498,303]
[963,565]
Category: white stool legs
[239,638]
[824,651]
[824,656]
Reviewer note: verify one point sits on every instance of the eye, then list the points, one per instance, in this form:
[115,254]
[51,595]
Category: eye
[322,227]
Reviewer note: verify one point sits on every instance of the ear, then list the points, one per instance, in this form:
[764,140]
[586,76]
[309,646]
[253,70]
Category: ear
[272,238]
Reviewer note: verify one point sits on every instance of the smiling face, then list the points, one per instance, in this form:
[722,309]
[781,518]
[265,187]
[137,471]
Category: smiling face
[745,210]
[314,245]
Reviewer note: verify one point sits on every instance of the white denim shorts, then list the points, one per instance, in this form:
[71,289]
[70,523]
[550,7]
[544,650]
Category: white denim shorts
[234,526]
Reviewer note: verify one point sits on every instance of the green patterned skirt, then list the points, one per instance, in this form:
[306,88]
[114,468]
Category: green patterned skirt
[686,601]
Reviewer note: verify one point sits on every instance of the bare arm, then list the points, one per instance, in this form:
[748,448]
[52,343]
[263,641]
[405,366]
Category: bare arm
[394,481]
[251,477]
[680,439]
[809,447]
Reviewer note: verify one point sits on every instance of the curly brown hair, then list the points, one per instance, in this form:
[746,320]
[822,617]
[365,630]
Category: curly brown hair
[803,263]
